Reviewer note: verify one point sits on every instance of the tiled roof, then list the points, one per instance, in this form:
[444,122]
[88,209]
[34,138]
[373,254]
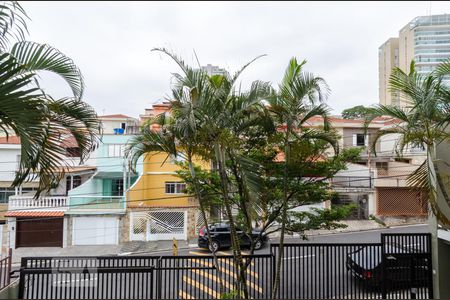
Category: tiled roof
[34,214]
[10,140]
[116,116]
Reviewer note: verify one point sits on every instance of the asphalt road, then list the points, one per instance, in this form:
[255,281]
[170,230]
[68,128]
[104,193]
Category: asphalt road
[315,272]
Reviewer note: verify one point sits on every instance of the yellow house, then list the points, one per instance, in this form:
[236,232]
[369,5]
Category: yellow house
[157,207]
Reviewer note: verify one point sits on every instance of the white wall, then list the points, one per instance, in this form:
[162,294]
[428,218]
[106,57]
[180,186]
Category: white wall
[354,170]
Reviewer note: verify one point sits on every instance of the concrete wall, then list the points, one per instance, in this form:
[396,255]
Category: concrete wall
[354,170]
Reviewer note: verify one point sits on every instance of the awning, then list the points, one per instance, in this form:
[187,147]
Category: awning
[76,169]
[34,214]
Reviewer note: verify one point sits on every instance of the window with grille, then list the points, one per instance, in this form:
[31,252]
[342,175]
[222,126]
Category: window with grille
[175,187]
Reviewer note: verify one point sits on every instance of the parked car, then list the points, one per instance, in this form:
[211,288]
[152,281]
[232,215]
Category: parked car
[366,265]
[221,237]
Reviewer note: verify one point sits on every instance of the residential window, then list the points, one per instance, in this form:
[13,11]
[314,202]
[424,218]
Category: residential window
[175,187]
[359,139]
[116,150]
[117,187]
[123,125]
[5,193]
[76,182]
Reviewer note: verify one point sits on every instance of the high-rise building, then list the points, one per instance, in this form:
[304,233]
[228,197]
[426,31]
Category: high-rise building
[426,40]
[213,70]
[388,59]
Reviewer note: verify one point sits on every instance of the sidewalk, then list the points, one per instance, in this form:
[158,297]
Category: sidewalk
[127,248]
[360,225]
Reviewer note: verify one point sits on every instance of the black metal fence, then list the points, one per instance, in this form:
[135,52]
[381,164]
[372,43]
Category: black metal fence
[397,268]
[140,277]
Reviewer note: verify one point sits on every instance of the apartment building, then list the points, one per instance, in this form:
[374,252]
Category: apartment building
[426,40]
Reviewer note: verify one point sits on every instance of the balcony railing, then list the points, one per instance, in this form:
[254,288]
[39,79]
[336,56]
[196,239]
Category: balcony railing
[23,202]
[352,181]
[96,202]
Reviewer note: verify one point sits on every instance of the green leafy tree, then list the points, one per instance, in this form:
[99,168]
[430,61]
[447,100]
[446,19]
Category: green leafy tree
[300,96]
[40,121]
[357,112]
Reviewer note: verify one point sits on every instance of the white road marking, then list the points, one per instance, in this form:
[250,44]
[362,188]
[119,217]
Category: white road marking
[300,257]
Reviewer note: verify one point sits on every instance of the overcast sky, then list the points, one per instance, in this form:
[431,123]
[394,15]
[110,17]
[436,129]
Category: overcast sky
[111,43]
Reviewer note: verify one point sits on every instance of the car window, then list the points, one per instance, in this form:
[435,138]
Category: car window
[222,229]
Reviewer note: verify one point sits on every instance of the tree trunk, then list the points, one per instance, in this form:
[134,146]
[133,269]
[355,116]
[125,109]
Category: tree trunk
[238,261]
[276,284]
[205,220]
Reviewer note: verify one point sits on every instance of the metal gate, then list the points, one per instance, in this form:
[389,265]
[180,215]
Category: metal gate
[159,225]
[397,268]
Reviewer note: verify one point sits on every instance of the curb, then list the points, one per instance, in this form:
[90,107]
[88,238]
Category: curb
[371,229]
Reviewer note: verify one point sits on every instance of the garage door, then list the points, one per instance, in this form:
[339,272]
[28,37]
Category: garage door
[45,232]
[95,231]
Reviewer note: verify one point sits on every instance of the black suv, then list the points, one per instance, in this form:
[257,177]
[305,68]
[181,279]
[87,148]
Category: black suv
[221,237]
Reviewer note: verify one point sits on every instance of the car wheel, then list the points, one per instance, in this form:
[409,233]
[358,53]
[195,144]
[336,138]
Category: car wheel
[214,246]
[258,245]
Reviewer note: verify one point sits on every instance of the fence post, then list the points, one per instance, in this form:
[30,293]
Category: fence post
[430,267]
[158,278]
[273,268]
[23,263]
[412,264]
[383,268]
[8,280]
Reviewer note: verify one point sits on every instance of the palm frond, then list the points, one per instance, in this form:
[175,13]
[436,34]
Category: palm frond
[42,57]
[184,67]
[12,23]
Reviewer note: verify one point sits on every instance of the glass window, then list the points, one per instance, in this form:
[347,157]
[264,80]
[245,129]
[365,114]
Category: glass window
[175,187]
[5,193]
[76,182]
[117,187]
[360,139]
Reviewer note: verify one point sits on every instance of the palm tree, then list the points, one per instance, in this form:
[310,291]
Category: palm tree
[423,123]
[213,112]
[178,134]
[299,97]
[35,117]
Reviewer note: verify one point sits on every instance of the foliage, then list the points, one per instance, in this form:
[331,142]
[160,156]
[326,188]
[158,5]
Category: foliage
[357,112]
[423,122]
[213,119]
[299,222]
